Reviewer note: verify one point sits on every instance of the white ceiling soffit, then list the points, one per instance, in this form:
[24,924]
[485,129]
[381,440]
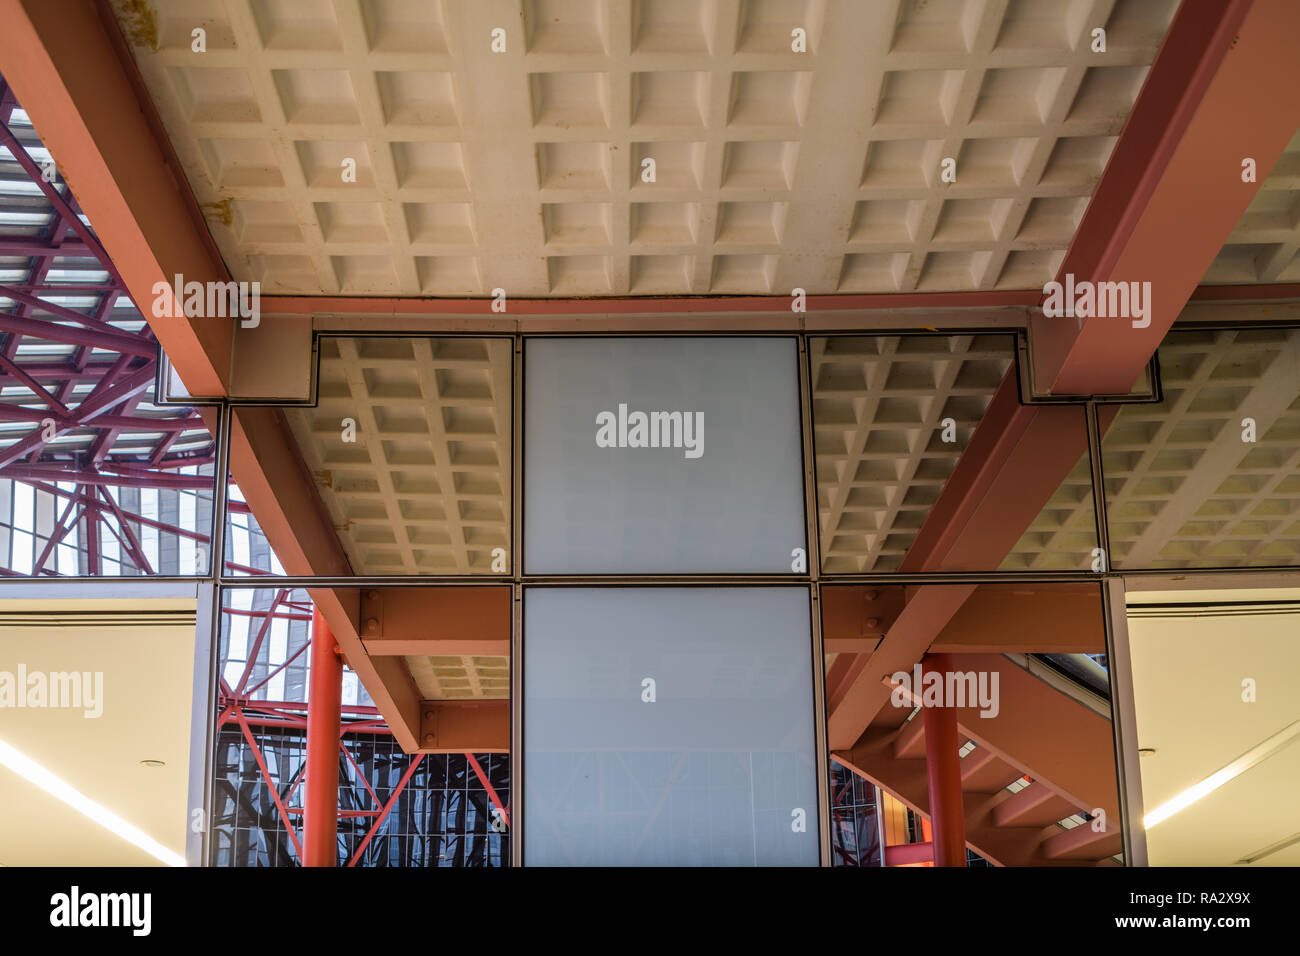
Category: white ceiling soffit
[522,170]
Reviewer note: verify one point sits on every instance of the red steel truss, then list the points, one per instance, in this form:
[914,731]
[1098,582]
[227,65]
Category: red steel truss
[236,705]
[79,376]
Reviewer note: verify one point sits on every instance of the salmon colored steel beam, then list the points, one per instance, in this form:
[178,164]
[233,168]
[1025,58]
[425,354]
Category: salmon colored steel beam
[280,492]
[388,807]
[924,616]
[459,726]
[1170,159]
[389,306]
[379,309]
[1014,463]
[909,854]
[487,785]
[1032,722]
[1220,91]
[1046,619]
[468,620]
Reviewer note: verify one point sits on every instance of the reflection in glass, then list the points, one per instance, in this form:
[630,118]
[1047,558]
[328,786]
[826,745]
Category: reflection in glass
[881,405]
[1210,477]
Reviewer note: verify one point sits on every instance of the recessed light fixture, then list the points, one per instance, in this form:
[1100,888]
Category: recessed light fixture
[31,771]
[153,763]
[1262,750]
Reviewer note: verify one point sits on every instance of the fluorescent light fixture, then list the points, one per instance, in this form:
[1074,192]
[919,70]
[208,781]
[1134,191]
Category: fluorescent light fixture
[1214,781]
[30,770]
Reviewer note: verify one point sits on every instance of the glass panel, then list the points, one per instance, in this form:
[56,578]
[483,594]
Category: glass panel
[1214,677]
[855,829]
[101,501]
[883,451]
[409,444]
[95,479]
[669,726]
[1023,668]
[669,455]
[1210,477]
[892,417]
[452,810]
[247,550]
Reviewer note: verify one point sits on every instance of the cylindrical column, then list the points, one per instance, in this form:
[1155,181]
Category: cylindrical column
[943,770]
[324,720]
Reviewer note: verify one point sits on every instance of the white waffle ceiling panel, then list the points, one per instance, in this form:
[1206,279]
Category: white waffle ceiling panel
[409,447]
[879,405]
[469,170]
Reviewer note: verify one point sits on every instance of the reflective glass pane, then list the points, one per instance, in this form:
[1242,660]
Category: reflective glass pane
[1021,670]
[892,414]
[409,447]
[1210,477]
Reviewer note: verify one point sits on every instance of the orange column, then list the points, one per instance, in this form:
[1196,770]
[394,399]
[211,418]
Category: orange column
[943,770]
[324,719]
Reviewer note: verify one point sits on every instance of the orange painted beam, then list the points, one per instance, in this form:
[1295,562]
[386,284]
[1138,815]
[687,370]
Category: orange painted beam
[320,824]
[459,726]
[943,772]
[470,620]
[371,309]
[925,615]
[909,854]
[387,306]
[386,679]
[1218,92]
[1026,736]
[279,490]
[1200,108]
[1015,461]
[855,618]
[72,74]
[1027,619]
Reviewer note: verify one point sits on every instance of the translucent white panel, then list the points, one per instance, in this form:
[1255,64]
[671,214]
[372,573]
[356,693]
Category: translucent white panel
[668,727]
[669,455]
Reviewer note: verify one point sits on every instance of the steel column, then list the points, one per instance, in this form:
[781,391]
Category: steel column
[324,721]
[943,769]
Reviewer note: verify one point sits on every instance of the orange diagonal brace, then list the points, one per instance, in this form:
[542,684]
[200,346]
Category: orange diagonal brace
[924,616]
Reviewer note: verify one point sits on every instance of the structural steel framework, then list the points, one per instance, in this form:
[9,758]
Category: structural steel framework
[77,363]
[243,712]
[1192,115]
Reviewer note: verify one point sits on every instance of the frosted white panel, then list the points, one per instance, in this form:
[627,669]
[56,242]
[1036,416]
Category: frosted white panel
[662,455]
[712,764]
